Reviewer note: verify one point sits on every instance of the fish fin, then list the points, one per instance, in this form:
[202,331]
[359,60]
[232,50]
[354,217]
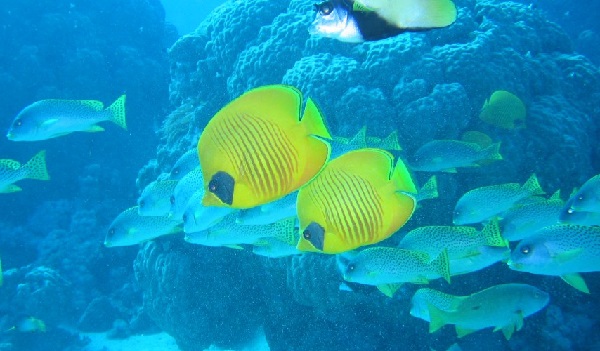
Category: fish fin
[11,188]
[419,280]
[235,247]
[402,178]
[419,13]
[49,122]
[117,112]
[576,281]
[508,330]
[555,196]
[313,120]
[492,152]
[449,170]
[358,7]
[429,190]
[567,255]
[360,139]
[93,104]
[389,143]
[436,318]
[476,137]
[491,234]
[519,321]
[532,186]
[36,167]
[389,289]
[94,129]
[460,331]
[441,265]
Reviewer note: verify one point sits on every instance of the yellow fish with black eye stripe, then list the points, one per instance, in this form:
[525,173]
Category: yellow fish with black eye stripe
[256,149]
[358,199]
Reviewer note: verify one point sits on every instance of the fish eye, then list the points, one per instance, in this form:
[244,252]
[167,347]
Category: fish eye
[351,267]
[306,234]
[175,171]
[142,203]
[325,8]
[111,231]
[172,199]
[18,123]
[580,197]
[525,250]
[185,216]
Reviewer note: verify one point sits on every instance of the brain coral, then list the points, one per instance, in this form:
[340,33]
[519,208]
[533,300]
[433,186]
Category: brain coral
[427,85]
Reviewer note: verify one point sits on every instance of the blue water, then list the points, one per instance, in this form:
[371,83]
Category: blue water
[425,86]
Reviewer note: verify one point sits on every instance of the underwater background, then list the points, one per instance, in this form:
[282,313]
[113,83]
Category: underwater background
[424,86]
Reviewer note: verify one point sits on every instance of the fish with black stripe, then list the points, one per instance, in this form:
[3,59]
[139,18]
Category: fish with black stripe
[358,199]
[256,149]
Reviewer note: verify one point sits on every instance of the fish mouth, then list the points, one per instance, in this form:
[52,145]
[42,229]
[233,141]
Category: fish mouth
[514,265]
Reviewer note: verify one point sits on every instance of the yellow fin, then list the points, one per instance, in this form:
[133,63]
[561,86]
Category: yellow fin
[36,167]
[235,247]
[313,120]
[389,289]
[436,318]
[429,190]
[491,234]
[576,281]
[508,331]
[460,331]
[117,112]
[555,196]
[358,7]
[567,255]
[94,129]
[402,178]
[441,265]
[11,188]
[532,185]
[476,137]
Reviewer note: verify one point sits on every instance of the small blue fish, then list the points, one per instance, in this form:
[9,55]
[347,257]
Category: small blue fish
[522,221]
[129,228]
[185,164]
[563,250]
[587,199]
[271,212]
[46,119]
[448,155]
[197,217]
[188,185]
[486,202]
[155,199]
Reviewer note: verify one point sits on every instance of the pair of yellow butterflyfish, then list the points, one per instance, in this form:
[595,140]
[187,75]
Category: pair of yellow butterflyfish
[256,150]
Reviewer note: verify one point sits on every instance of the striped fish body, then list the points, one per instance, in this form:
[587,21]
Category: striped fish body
[256,150]
[356,200]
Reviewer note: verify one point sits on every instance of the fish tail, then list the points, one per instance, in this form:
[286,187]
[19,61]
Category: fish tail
[491,234]
[492,152]
[36,167]
[402,178]
[40,325]
[117,112]
[429,190]
[532,186]
[441,265]
[436,318]
[313,120]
